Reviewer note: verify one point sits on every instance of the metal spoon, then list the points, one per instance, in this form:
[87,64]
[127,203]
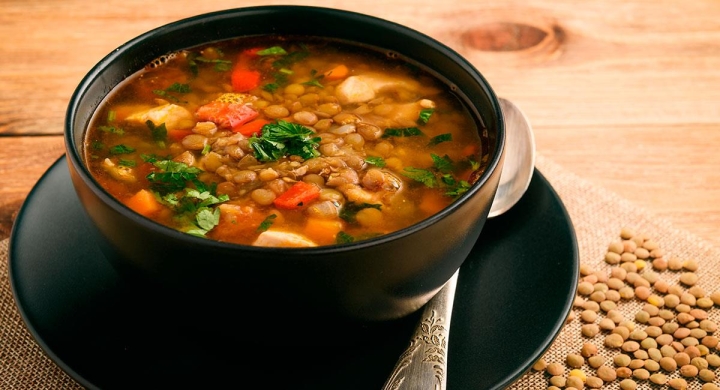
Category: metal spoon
[423,365]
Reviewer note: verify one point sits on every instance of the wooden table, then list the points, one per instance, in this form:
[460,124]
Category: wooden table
[623,93]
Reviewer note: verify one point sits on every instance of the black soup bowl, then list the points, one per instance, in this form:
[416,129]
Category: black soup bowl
[371,281]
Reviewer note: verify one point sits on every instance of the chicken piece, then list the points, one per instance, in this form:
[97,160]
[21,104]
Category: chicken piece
[119,172]
[173,116]
[280,239]
[363,88]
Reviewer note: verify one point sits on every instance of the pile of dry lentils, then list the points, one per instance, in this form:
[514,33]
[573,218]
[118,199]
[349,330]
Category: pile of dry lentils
[669,343]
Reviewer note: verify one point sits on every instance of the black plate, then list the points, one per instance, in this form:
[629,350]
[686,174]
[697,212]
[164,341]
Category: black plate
[513,294]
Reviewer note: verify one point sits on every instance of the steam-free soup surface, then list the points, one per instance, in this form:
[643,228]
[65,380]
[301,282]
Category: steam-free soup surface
[284,142]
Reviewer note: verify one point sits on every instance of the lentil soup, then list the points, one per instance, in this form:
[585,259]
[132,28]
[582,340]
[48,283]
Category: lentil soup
[285,141]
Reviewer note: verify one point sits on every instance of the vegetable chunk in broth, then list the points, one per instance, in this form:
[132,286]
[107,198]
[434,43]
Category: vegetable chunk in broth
[284,141]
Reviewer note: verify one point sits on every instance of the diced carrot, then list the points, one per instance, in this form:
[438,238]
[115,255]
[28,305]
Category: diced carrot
[226,115]
[323,231]
[432,202]
[177,135]
[251,127]
[301,193]
[144,202]
[339,72]
[244,79]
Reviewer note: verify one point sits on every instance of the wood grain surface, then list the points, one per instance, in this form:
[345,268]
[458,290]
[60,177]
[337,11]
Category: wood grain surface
[623,93]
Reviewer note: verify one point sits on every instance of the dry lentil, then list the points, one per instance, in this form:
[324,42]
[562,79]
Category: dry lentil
[708,326]
[689,371]
[693,351]
[705,303]
[678,383]
[640,354]
[666,314]
[690,265]
[590,330]
[688,278]
[627,292]
[621,331]
[715,297]
[658,379]
[636,363]
[612,258]
[574,382]
[668,364]
[641,373]
[651,365]
[706,375]
[699,362]
[710,341]
[667,351]
[596,361]
[608,305]
[591,305]
[630,346]
[641,316]
[594,382]
[621,360]
[606,324]
[670,327]
[558,381]
[713,360]
[674,264]
[648,343]
[555,369]
[606,373]
[576,373]
[656,300]
[540,365]
[682,359]
[661,286]
[655,354]
[585,288]
[629,325]
[574,361]
[710,386]
[628,384]
[623,372]
[660,264]
[664,339]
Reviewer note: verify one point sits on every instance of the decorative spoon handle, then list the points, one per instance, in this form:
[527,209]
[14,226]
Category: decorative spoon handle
[423,365]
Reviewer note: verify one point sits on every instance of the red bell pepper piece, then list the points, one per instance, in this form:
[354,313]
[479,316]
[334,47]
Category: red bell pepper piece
[226,115]
[301,193]
[252,127]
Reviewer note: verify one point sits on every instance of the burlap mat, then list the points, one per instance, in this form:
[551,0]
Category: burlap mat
[598,216]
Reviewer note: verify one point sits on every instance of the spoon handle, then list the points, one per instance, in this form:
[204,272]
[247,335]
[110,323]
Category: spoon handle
[423,365]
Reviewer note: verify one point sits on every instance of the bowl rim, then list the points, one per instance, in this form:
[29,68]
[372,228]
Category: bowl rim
[76,160]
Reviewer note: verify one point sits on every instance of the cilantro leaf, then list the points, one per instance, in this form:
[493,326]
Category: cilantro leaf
[272,51]
[439,139]
[402,132]
[374,160]
[425,115]
[121,149]
[425,176]
[111,130]
[443,164]
[173,176]
[266,223]
[159,133]
[344,238]
[127,163]
[284,139]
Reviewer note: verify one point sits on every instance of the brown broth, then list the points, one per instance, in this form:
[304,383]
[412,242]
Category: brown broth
[372,165]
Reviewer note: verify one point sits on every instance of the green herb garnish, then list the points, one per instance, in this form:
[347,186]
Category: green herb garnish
[159,133]
[421,175]
[438,176]
[314,81]
[402,132]
[174,176]
[266,223]
[272,51]
[344,238]
[127,163]
[111,130]
[175,88]
[425,115]
[374,160]
[443,164]
[121,149]
[284,139]
[440,139]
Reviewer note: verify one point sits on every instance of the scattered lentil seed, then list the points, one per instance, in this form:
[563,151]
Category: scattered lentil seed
[558,381]
[590,330]
[658,379]
[623,372]
[660,264]
[697,291]
[574,382]
[592,306]
[640,354]
[689,371]
[688,278]
[574,361]
[641,374]
[606,373]
[705,303]
[699,362]
[596,361]
[674,264]
[606,324]
[621,360]
[636,363]
[614,340]
[710,386]
[710,341]
[661,286]
[594,382]
[678,383]
[555,369]
[668,364]
[540,365]
[655,354]
[690,265]
[585,288]
[682,359]
[693,352]
[651,365]
[708,326]
[621,331]
[630,346]
[713,360]
[715,297]
[706,375]
[667,351]
[628,384]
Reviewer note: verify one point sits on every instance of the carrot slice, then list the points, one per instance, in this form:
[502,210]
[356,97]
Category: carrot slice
[252,127]
[244,79]
[144,202]
[301,193]
[321,230]
[339,72]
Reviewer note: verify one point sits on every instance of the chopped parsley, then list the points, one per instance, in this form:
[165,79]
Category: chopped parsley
[282,139]
[97,145]
[174,176]
[195,208]
[344,238]
[425,115]
[159,133]
[272,51]
[438,176]
[375,160]
[402,132]
[266,223]
[169,92]
[121,149]
[218,64]
[127,163]
[314,80]
[111,130]
[440,139]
